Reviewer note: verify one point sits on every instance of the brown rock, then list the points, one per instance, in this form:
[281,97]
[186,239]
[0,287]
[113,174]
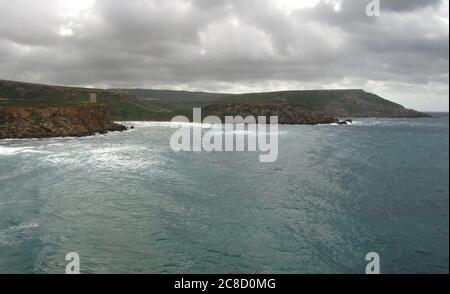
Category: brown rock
[64,121]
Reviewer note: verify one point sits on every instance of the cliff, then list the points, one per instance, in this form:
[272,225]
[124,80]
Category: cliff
[123,106]
[56,121]
[306,106]
[335,103]
[286,114]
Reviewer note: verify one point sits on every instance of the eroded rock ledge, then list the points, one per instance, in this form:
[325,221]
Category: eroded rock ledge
[58,121]
[286,114]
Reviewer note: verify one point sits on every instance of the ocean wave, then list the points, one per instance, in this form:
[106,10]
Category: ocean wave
[25,226]
[108,157]
[7,151]
[142,124]
[17,234]
[251,133]
[218,127]
[387,122]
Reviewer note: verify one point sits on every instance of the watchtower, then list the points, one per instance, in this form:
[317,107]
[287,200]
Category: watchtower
[93,98]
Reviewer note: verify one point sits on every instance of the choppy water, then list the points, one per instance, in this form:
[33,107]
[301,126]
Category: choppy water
[128,204]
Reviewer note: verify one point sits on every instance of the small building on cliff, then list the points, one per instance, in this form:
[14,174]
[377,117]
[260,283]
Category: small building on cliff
[93,98]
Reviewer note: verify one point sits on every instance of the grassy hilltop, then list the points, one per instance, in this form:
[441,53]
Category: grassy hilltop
[336,103]
[162,105]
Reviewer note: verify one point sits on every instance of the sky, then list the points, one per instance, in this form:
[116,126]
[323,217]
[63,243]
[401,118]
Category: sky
[232,46]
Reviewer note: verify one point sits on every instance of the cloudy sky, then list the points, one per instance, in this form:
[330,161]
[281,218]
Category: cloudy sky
[232,45]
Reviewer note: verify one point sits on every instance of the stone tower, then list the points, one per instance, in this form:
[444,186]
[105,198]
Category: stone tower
[93,98]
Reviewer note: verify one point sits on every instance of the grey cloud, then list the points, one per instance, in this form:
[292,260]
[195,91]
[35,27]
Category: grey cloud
[408,5]
[230,46]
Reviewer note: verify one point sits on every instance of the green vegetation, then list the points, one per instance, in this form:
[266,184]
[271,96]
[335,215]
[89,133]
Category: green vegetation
[123,106]
[175,99]
[337,103]
[163,105]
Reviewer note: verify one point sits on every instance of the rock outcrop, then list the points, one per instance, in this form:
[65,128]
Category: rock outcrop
[58,121]
[334,103]
[287,115]
[345,122]
[307,106]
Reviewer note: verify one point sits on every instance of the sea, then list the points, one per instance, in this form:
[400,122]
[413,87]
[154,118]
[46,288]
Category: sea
[127,203]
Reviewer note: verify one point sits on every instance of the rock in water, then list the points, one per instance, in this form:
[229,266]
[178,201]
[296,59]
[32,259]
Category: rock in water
[346,122]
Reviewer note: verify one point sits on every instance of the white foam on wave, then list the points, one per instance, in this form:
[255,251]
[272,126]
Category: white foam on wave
[336,124]
[218,127]
[25,226]
[253,133]
[143,124]
[385,122]
[171,124]
[8,151]
[61,158]
[17,234]
[122,157]
[104,157]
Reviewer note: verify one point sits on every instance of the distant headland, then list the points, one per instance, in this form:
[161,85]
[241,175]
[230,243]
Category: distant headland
[36,110]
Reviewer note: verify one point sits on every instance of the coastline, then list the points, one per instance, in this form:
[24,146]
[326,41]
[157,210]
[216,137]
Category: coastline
[95,119]
[25,122]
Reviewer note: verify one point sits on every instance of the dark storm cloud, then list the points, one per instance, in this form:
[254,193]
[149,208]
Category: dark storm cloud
[245,45]
[409,5]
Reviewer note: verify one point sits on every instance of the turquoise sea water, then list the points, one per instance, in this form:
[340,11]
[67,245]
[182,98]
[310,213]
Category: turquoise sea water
[126,203]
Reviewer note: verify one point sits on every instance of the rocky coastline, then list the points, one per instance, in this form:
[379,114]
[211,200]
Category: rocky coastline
[20,122]
[287,115]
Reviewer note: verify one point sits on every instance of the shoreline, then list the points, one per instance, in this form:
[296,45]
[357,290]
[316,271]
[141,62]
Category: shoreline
[123,126]
[57,121]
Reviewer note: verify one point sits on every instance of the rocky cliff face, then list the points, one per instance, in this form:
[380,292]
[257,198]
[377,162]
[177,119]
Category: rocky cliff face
[62,121]
[307,106]
[286,114]
[334,103]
